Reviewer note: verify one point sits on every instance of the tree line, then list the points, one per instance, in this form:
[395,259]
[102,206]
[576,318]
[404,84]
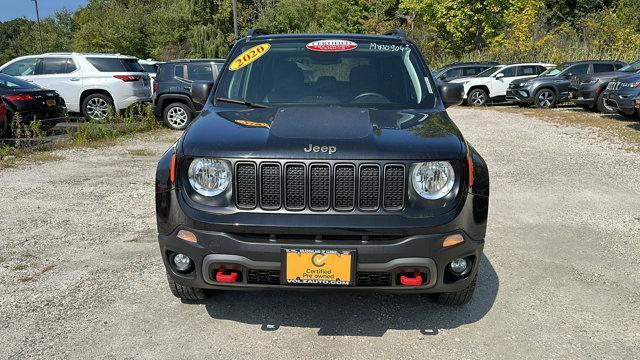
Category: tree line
[445,30]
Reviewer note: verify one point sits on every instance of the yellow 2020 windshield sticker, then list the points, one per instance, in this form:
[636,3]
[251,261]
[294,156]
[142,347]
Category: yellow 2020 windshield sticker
[249,56]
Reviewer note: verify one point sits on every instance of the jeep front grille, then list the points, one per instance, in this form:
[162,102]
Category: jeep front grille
[295,186]
[614,85]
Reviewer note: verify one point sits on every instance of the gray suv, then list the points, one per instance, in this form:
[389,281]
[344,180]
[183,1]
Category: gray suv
[552,86]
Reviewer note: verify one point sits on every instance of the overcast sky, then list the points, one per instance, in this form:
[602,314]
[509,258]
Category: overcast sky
[11,9]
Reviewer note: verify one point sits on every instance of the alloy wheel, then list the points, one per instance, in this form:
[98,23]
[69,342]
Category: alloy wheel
[477,98]
[97,108]
[546,98]
[177,117]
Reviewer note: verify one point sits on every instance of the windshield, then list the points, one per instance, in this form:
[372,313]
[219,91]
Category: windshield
[554,70]
[633,67]
[489,71]
[327,72]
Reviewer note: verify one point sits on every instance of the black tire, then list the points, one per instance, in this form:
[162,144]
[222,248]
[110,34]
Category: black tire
[177,116]
[96,106]
[602,107]
[477,97]
[545,98]
[185,292]
[456,298]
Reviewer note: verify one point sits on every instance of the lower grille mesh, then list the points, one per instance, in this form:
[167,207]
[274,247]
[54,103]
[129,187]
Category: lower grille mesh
[272,277]
[263,277]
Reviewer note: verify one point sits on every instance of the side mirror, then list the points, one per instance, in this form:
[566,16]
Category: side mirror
[499,76]
[200,91]
[568,76]
[451,94]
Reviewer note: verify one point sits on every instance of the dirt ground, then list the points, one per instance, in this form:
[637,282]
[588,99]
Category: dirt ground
[81,276]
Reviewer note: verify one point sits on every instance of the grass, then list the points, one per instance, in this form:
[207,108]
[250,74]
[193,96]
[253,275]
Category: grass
[93,134]
[139,152]
[624,129]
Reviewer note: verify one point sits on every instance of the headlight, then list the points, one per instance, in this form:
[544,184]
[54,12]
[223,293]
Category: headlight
[526,83]
[433,180]
[588,82]
[209,177]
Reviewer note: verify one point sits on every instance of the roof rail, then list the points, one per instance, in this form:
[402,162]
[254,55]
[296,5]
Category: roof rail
[256,32]
[397,33]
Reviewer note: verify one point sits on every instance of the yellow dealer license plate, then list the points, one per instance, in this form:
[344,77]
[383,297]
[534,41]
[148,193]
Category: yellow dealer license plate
[318,267]
[51,102]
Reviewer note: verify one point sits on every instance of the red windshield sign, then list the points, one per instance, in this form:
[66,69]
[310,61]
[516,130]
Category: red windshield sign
[332,45]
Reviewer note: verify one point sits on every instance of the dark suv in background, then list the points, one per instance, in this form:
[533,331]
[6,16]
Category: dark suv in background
[552,86]
[460,70]
[622,94]
[587,90]
[172,89]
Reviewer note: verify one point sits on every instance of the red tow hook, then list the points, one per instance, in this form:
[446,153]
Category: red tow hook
[416,280]
[226,278]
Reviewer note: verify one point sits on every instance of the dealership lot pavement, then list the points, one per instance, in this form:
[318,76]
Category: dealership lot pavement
[81,276]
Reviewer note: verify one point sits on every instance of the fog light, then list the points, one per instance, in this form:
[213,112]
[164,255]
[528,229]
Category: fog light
[182,262]
[459,266]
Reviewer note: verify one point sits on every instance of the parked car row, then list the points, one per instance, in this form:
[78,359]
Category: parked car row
[606,86]
[92,84]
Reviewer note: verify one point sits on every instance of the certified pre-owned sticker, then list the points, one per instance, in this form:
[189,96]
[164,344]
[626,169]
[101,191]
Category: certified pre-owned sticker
[332,45]
[249,56]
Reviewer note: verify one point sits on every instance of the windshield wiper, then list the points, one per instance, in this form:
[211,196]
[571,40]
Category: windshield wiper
[243,102]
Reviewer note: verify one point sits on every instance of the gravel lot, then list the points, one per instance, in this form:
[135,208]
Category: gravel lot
[81,275]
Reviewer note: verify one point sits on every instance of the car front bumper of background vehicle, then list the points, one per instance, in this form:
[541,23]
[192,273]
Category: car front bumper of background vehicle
[520,95]
[256,254]
[622,101]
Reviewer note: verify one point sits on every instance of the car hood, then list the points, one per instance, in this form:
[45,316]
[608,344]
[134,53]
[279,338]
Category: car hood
[628,78]
[330,133]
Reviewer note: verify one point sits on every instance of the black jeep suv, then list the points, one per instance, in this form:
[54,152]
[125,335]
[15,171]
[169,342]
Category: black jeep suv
[587,90]
[460,70]
[552,86]
[323,161]
[172,89]
[622,94]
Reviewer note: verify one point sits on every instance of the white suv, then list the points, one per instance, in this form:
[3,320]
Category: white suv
[493,82]
[89,83]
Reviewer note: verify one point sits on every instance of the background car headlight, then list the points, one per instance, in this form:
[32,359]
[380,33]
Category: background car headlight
[209,177]
[433,180]
[526,83]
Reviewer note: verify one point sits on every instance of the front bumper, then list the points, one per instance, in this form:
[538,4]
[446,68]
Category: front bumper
[621,101]
[386,246]
[520,95]
[259,261]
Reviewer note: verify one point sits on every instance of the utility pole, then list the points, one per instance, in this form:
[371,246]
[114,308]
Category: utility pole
[40,27]
[235,18]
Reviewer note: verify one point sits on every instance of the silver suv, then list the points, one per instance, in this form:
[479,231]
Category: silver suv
[89,83]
